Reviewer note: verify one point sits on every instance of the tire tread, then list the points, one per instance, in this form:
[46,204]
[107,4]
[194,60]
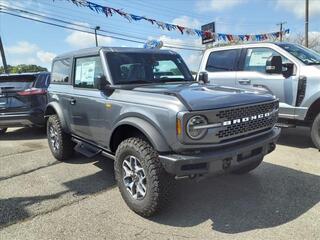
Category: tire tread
[161,181]
[66,145]
[315,131]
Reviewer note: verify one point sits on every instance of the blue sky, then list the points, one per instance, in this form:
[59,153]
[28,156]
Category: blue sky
[30,42]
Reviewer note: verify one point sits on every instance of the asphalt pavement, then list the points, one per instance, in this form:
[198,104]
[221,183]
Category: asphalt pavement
[41,198]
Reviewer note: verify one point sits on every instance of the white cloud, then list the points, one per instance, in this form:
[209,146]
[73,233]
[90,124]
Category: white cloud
[82,40]
[168,40]
[24,52]
[218,5]
[193,61]
[187,22]
[23,47]
[298,7]
[45,57]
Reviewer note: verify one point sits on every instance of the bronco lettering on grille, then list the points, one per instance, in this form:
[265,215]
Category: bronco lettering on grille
[246,119]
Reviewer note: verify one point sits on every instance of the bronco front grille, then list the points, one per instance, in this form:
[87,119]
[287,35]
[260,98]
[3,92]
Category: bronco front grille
[250,126]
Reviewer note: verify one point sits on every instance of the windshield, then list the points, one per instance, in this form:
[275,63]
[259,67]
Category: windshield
[305,55]
[136,68]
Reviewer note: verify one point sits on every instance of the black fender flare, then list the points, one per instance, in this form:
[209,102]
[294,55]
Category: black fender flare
[152,134]
[54,108]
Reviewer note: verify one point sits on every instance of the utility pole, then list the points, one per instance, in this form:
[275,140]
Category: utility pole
[306,29]
[3,56]
[95,34]
[281,29]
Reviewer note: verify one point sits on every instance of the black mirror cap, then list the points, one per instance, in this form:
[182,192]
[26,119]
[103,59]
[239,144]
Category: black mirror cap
[274,65]
[203,76]
[101,82]
[289,70]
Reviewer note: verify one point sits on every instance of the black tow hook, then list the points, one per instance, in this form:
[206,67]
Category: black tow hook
[272,146]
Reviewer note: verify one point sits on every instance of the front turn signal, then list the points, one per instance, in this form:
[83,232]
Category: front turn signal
[178,127]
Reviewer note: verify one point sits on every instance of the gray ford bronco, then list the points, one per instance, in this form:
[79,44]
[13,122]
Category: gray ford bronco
[143,109]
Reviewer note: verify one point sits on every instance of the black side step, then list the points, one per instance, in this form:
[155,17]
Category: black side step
[285,125]
[86,149]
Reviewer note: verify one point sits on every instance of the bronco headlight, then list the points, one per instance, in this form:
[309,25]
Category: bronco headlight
[194,129]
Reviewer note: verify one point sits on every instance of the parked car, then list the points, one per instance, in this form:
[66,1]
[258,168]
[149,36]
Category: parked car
[143,109]
[23,99]
[289,71]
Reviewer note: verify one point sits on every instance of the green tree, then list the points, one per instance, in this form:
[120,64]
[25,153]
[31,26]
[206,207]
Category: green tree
[23,68]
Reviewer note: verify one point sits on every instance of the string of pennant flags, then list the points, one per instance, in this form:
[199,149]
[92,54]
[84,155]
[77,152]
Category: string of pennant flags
[255,37]
[109,12]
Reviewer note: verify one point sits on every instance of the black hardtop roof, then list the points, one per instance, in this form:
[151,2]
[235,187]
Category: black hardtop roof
[96,50]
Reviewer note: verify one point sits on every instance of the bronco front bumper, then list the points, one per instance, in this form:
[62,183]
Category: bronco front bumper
[216,161]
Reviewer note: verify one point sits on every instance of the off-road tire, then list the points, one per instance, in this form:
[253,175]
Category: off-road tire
[315,131]
[247,168]
[158,180]
[3,130]
[65,150]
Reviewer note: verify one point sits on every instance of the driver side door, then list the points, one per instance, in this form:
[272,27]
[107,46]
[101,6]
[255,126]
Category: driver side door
[87,104]
[253,75]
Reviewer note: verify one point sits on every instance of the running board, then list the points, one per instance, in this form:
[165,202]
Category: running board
[86,149]
[89,150]
[285,125]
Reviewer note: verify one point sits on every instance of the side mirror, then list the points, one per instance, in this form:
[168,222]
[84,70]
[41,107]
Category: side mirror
[203,76]
[100,82]
[274,65]
[288,70]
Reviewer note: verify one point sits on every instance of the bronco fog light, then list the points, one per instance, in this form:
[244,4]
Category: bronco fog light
[196,128]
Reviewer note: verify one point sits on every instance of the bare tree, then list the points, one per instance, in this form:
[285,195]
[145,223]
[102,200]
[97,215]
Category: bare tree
[314,40]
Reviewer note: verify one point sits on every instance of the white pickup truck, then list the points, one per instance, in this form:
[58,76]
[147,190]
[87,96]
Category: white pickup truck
[290,71]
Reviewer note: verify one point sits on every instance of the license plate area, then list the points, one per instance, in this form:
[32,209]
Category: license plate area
[249,154]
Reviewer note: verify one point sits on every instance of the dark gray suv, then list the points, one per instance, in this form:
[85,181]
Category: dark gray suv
[23,99]
[143,109]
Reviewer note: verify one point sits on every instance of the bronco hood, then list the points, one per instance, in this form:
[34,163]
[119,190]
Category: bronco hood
[198,97]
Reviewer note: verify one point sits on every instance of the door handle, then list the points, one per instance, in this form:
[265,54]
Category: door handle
[72,101]
[244,81]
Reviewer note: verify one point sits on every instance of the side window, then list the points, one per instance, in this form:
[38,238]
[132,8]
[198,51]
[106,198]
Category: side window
[61,71]
[87,70]
[166,68]
[132,72]
[221,61]
[256,59]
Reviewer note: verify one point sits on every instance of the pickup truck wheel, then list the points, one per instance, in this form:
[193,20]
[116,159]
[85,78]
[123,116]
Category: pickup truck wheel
[60,142]
[315,131]
[141,178]
[247,168]
[3,130]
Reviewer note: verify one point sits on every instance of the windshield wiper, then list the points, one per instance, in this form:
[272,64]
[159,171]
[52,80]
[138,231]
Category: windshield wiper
[136,82]
[166,79]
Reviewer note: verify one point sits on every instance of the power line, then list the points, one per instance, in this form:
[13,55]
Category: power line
[62,21]
[91,28]
[66,27]
[90,32]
